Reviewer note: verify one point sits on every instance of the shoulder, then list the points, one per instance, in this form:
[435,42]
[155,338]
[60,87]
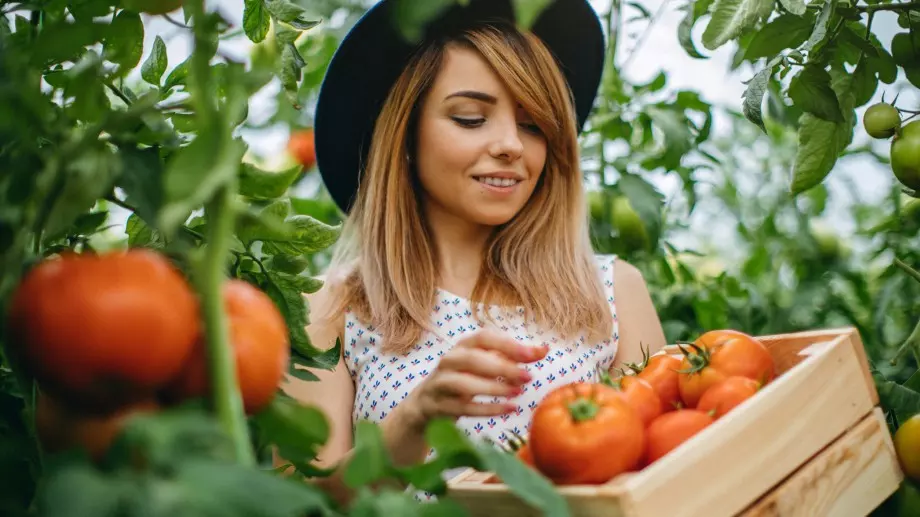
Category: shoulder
[628,276]
[326,309]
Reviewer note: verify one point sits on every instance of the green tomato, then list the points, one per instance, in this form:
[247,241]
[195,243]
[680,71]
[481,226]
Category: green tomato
[881,120]
[629,225]
[905,155]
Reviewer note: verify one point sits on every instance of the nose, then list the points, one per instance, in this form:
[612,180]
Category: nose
[507,144]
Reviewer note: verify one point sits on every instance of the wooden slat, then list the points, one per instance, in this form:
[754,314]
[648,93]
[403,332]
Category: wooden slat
[850,478]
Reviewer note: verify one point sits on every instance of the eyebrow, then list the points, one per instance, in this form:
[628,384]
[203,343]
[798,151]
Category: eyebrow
[472,94]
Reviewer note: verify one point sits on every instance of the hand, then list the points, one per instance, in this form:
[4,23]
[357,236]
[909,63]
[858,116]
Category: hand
[472,368]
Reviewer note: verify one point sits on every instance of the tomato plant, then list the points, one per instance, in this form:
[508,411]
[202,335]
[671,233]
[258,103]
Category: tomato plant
[881,120]
[585,433]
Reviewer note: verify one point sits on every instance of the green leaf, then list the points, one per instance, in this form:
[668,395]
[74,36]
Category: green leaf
[903,401]
[195,172]
[143,180]
[685,32]
[124,42]
[865,83]
[305,235]
[645,200]
[155,66]
[796,7]
[78,490]
[85,179]
[302,284]
[410,16]
[819,32]
[293,264]
[177,76]
[293,306]
[297,430]
[370,460]
[256,20]
[884,66]
[284,11]
[784,32]
[64,41]
[525,482]
[291,65]
[261,184]
[678,139]
[752,108]
[731,17]
[526,12]
[822,141]
[140,235]
[213,488]
[811,90]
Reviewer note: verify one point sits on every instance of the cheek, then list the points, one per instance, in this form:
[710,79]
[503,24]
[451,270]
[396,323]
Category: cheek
[443,153]
[535,156]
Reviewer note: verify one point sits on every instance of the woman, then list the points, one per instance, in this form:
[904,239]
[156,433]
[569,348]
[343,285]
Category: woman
[470,198]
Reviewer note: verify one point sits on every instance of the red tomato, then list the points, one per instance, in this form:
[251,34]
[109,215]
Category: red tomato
[259,337]
[99,332]
[660,371]
[717,355]
[671,429]
[301,145]
[585,433]
[641,396]
[726,395]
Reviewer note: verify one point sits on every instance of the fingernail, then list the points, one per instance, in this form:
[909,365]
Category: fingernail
[525,376]
[510,408]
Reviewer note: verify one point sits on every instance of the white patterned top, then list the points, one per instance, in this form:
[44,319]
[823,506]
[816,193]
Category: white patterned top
[383,380]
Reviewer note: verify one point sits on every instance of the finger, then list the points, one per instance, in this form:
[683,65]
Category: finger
[458,408]
[484,363]
[467,385]
[502,343]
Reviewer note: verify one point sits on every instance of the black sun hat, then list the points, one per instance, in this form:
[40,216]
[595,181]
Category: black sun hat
[373,54]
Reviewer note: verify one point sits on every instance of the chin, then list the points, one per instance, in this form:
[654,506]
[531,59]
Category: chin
[494,218]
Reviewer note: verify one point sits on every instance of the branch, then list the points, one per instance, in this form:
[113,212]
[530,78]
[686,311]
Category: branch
[117,91]
[909,6]
[907,269]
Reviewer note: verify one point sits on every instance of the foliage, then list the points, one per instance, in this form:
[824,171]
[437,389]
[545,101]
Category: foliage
[105,145]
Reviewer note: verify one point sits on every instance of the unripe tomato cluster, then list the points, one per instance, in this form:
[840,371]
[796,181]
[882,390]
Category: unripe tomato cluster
[883,121]
[109,335]
[588,433]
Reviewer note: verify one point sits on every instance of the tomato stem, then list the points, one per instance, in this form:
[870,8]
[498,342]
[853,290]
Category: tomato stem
[225,397]
[583,409]
[224,388]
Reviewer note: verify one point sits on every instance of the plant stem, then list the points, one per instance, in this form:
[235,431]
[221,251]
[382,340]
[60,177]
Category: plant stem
[907,269]
[908,6]
[911,343]
[118,93]
[222,369]
[224,387]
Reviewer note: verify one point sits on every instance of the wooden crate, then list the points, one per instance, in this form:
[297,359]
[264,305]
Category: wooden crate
[811,443]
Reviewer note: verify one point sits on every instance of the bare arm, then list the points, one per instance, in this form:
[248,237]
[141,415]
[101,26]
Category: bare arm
[468,370]
[640,326]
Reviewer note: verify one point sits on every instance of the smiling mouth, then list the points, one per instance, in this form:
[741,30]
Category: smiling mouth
[498,182]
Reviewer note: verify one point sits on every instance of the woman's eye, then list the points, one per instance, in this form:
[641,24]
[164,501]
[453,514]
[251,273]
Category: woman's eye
[469,122]
[533,128]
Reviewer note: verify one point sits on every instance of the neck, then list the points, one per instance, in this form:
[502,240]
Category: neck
[460,246]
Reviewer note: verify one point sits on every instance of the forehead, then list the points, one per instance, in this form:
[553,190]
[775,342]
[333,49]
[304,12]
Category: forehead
[464,68]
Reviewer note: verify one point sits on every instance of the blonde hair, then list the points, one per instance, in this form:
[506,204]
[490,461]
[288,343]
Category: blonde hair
[384,268]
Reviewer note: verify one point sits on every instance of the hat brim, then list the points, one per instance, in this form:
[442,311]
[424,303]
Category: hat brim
[373,54]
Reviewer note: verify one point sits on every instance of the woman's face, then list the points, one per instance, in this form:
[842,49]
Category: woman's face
[479,155]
